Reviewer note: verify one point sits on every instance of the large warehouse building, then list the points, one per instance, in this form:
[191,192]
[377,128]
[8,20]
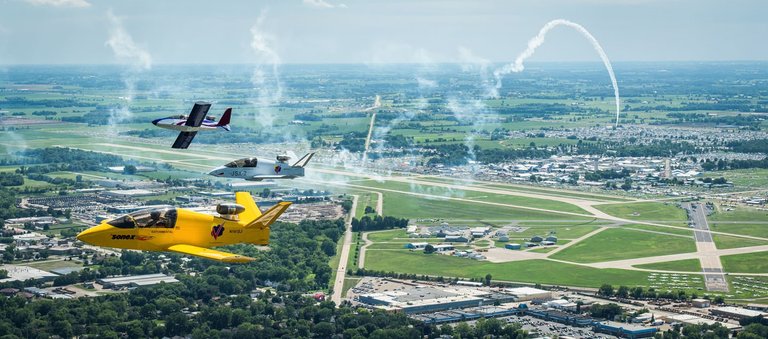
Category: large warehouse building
[136,280]
[529,293]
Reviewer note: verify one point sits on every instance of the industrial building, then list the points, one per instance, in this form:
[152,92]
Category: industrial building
[736,313]
[416,245]
[689,319]
[136,280]
[559,316]
[624,330]
[513,246]
[421,299]
[23,273]
[700,303]
[466,314]
[529,293]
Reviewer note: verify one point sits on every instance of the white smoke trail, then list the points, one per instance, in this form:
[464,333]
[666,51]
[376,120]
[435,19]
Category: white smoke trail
[538,40]
[266,73]
[137,60]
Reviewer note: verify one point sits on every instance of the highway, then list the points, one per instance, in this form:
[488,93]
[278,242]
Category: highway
[341,271]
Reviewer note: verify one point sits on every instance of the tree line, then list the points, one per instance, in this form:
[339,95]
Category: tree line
[377,223]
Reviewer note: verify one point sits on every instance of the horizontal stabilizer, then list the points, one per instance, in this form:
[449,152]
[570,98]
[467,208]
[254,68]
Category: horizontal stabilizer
[269,216]
[210,254]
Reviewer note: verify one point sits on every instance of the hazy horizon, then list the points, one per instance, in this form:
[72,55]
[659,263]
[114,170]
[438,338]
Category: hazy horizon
[144,33]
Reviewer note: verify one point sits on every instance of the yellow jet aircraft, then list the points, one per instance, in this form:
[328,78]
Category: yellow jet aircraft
[187,232]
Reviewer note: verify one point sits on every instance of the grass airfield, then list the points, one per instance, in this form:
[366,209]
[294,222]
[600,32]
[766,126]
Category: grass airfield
[594,230]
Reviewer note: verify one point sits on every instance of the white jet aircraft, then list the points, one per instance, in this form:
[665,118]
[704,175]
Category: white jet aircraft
[256,170]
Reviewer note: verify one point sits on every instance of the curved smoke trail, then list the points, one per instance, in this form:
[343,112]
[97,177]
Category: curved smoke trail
[538,40]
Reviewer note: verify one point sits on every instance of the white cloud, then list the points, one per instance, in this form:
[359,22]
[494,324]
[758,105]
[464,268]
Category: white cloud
[60,3]
[322,4]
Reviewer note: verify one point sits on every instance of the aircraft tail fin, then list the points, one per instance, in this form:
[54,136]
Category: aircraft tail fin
[270,216]
[252,211]
[224,122]
[304,160]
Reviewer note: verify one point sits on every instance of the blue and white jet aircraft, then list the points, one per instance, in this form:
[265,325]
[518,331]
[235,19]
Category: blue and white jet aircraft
[196,121]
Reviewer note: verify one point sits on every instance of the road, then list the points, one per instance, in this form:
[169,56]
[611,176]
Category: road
[376,104]
[341,271]
[363,249]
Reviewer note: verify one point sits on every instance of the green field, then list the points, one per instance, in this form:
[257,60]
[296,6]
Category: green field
[348,284]
[618,244]
[755,230]
[740,214]
[746,263]
[744,178]
[416,207]
[663,213]
[670,230]
[533,271]
[687,265]
[473,195]
[725,241]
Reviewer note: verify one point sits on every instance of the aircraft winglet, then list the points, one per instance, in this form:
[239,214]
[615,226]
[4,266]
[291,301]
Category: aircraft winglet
[304,160]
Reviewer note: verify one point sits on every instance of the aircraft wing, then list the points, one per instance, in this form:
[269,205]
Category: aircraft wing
[198,113]
[184,139]
[210,254]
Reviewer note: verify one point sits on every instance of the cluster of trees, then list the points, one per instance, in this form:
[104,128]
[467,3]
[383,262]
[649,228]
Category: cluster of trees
[353,142]
[607,174]
[750,146]
[701,118]
[605,311]
[376,223]
[63,159]
[725,164]
[8,209]
[11,179]
[57,103]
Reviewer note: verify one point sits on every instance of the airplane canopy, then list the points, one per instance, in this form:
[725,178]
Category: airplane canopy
[244,162]
[148,218]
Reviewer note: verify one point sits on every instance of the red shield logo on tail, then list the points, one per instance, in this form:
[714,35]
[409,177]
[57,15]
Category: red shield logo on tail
[217,231]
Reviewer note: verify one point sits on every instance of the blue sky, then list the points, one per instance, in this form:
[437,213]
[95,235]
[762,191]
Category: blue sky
[352,31]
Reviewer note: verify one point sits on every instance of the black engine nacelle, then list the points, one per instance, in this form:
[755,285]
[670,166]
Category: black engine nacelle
[229,209]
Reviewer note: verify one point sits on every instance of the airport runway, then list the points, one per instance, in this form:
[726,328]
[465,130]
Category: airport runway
[714,277]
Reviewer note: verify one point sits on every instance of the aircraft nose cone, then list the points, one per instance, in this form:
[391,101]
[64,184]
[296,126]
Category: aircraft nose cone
[154,122]
[89,235]
[217,172]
